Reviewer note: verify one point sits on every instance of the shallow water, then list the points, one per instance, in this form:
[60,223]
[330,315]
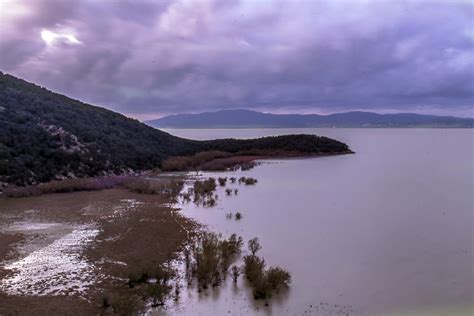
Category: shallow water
[388,230]
[56,269]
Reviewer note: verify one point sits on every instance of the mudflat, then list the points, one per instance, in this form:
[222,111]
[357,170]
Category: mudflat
[64,253]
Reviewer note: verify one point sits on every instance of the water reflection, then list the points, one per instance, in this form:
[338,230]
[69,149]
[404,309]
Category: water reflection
[387,230]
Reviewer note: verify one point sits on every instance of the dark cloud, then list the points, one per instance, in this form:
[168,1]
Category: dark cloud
[147,58]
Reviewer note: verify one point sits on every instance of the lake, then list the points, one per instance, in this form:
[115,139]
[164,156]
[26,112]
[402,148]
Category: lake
[386,231]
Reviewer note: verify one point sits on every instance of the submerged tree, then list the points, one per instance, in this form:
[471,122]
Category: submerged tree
[222,181]
[250,181]
[277,278]
[254,246]
[235,272]
[204,187]
[212,257]
[254,268]
[264,282]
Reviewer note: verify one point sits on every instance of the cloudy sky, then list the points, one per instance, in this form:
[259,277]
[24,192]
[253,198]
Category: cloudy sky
[151,58]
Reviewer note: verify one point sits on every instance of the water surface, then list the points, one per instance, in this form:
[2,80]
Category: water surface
[388,230]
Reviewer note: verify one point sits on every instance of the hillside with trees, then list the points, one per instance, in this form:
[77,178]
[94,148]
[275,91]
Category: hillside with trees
[46,135]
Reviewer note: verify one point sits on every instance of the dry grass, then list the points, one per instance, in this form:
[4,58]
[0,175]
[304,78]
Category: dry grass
[135,184]
[192,162]
[221,161]
[168,186]
[65,186]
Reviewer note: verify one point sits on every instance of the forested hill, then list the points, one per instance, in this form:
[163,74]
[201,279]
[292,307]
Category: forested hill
[253,119]
[46,135]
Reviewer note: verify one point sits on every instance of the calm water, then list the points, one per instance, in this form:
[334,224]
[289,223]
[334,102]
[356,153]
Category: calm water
[388,230]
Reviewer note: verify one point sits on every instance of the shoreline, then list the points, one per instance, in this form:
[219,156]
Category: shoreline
[218,161]
[135,231]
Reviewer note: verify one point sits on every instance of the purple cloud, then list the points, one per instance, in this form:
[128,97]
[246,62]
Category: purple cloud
[146,59]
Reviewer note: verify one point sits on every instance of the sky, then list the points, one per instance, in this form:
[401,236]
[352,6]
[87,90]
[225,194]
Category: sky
[147,59]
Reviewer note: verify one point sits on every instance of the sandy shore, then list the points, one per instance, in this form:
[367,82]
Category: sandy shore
[63,253]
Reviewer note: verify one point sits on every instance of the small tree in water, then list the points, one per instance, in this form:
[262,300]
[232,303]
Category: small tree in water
[235,272]
[254,269]
[254,246]
[250,181]
[213,256]
[264,282]
[222,181]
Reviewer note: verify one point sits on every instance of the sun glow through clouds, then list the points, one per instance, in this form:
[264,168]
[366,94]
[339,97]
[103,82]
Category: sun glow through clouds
[50,37]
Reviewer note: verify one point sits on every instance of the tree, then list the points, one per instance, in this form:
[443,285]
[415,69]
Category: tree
[254,269]
[235,272]
[254,246]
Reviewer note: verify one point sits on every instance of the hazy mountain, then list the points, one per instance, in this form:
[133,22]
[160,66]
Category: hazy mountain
[253,119]
[46,135]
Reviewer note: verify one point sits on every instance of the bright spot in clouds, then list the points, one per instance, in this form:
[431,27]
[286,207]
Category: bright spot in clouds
[50,37]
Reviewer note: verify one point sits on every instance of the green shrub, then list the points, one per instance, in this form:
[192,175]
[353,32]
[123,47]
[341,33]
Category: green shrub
[264,282]
[254,269]
[212,258]
[204,187]
[250,181]
[277,278]
[222,181]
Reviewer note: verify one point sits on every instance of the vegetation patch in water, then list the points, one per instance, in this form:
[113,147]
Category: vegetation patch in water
[147,186]
[247,181]
[211,258]
[264,282]
[209,261]
[222,181]
[204,192]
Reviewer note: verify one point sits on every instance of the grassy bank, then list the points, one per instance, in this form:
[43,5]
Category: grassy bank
[137,184]
[221,160]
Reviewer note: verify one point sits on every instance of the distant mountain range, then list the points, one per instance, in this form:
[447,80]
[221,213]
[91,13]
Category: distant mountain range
[253,119]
